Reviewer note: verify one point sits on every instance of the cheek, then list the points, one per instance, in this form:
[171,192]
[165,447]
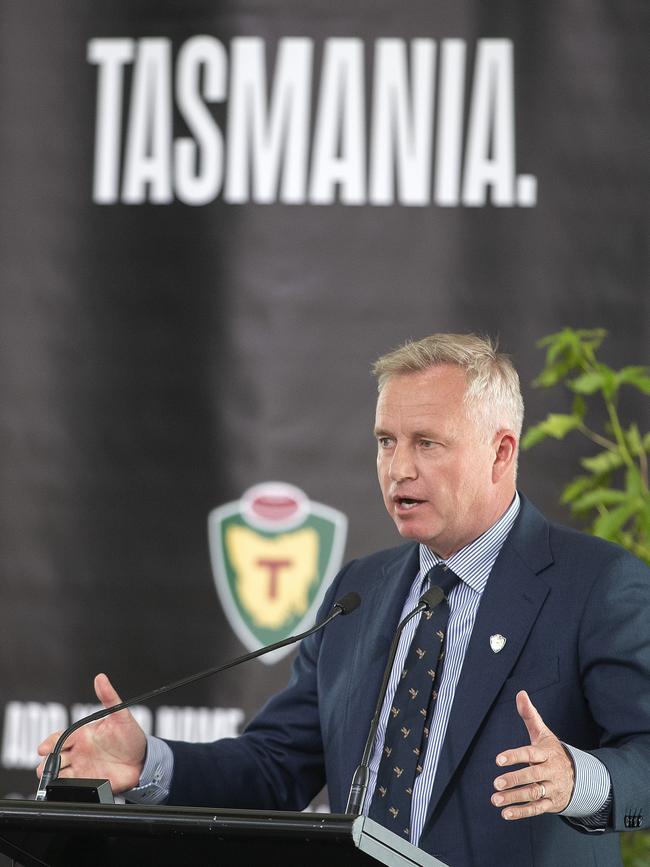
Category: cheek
[474,480]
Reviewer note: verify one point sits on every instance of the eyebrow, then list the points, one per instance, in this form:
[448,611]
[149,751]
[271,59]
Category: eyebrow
[430,435]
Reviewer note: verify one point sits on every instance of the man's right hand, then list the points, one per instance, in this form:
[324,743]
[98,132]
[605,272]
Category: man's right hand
[113,748]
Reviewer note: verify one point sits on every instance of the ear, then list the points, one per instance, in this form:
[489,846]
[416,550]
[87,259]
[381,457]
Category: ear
[505,454]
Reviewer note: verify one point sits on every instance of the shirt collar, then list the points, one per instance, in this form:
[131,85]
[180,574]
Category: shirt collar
[474,562]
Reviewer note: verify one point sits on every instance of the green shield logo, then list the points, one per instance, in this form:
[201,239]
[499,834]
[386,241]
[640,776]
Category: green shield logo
[273,554]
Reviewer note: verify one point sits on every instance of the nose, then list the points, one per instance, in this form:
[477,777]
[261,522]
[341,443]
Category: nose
[402,465]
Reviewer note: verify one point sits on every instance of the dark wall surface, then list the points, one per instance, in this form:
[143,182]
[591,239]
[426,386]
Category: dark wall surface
[158,358]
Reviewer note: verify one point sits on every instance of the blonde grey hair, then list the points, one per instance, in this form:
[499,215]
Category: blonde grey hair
[492,393]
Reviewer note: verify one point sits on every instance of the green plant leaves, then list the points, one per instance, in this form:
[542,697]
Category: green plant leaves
[608,524]
[603,462]
[593,381]
[568,350]
[636,849]
[634,441]
[579,406]
[578,486]
[598,497]
[613,492]
[603,378]
[572,342]
[637,376]
[555,425]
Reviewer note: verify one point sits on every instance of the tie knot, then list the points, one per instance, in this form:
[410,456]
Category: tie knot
[442,576]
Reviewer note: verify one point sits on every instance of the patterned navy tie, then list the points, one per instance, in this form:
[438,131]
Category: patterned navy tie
[410,716]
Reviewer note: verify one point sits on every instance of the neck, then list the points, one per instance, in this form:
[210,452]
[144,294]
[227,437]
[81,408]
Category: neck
[495,515]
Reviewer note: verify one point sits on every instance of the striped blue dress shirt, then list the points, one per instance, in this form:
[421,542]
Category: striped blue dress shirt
[591,799]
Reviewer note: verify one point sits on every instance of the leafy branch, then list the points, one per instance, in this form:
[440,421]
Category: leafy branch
[612,495]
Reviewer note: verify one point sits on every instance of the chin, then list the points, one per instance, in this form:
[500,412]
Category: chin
[408,530]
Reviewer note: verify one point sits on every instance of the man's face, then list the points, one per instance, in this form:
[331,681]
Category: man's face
[435,470]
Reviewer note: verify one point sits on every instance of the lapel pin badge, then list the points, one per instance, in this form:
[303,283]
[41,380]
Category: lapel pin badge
[497,642]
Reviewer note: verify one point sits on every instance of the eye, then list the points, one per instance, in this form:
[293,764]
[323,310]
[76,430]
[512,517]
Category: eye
[384,442]
[427,444]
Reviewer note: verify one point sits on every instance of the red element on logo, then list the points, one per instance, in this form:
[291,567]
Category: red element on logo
[274,567]
[274,508]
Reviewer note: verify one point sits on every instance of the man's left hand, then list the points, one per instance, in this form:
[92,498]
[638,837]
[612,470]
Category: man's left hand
[546,785]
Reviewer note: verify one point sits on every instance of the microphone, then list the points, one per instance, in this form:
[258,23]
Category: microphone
[345,605]
[429,600]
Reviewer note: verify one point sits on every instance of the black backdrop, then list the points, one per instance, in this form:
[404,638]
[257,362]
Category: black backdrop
[159,358]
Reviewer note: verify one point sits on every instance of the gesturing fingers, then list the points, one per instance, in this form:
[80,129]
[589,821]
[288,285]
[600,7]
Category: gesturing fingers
[545,784]
[530,800]
[527,786]
[46,747]
[524,776]
[523,755]
[530,715]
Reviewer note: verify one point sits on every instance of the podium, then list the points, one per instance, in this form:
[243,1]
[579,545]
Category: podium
[52,834]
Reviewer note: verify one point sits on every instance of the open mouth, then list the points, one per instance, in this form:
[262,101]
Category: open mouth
[407,502]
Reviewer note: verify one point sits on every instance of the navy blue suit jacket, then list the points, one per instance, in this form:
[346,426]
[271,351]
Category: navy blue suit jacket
[576,615]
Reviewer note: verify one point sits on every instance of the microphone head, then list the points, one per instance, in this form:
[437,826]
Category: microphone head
[432,597]
[346,604]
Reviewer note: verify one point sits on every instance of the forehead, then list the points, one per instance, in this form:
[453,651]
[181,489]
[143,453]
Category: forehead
[435,393]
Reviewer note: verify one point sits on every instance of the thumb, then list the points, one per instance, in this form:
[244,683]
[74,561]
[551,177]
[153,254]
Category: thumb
[105,691]
[532,720]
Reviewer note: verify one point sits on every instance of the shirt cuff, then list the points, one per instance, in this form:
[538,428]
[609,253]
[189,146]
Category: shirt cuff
[156,777]
[591,800]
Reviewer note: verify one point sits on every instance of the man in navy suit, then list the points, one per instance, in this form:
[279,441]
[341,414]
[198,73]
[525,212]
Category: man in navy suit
[540,737]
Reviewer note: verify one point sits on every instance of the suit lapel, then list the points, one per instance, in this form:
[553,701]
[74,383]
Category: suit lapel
[510,604]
